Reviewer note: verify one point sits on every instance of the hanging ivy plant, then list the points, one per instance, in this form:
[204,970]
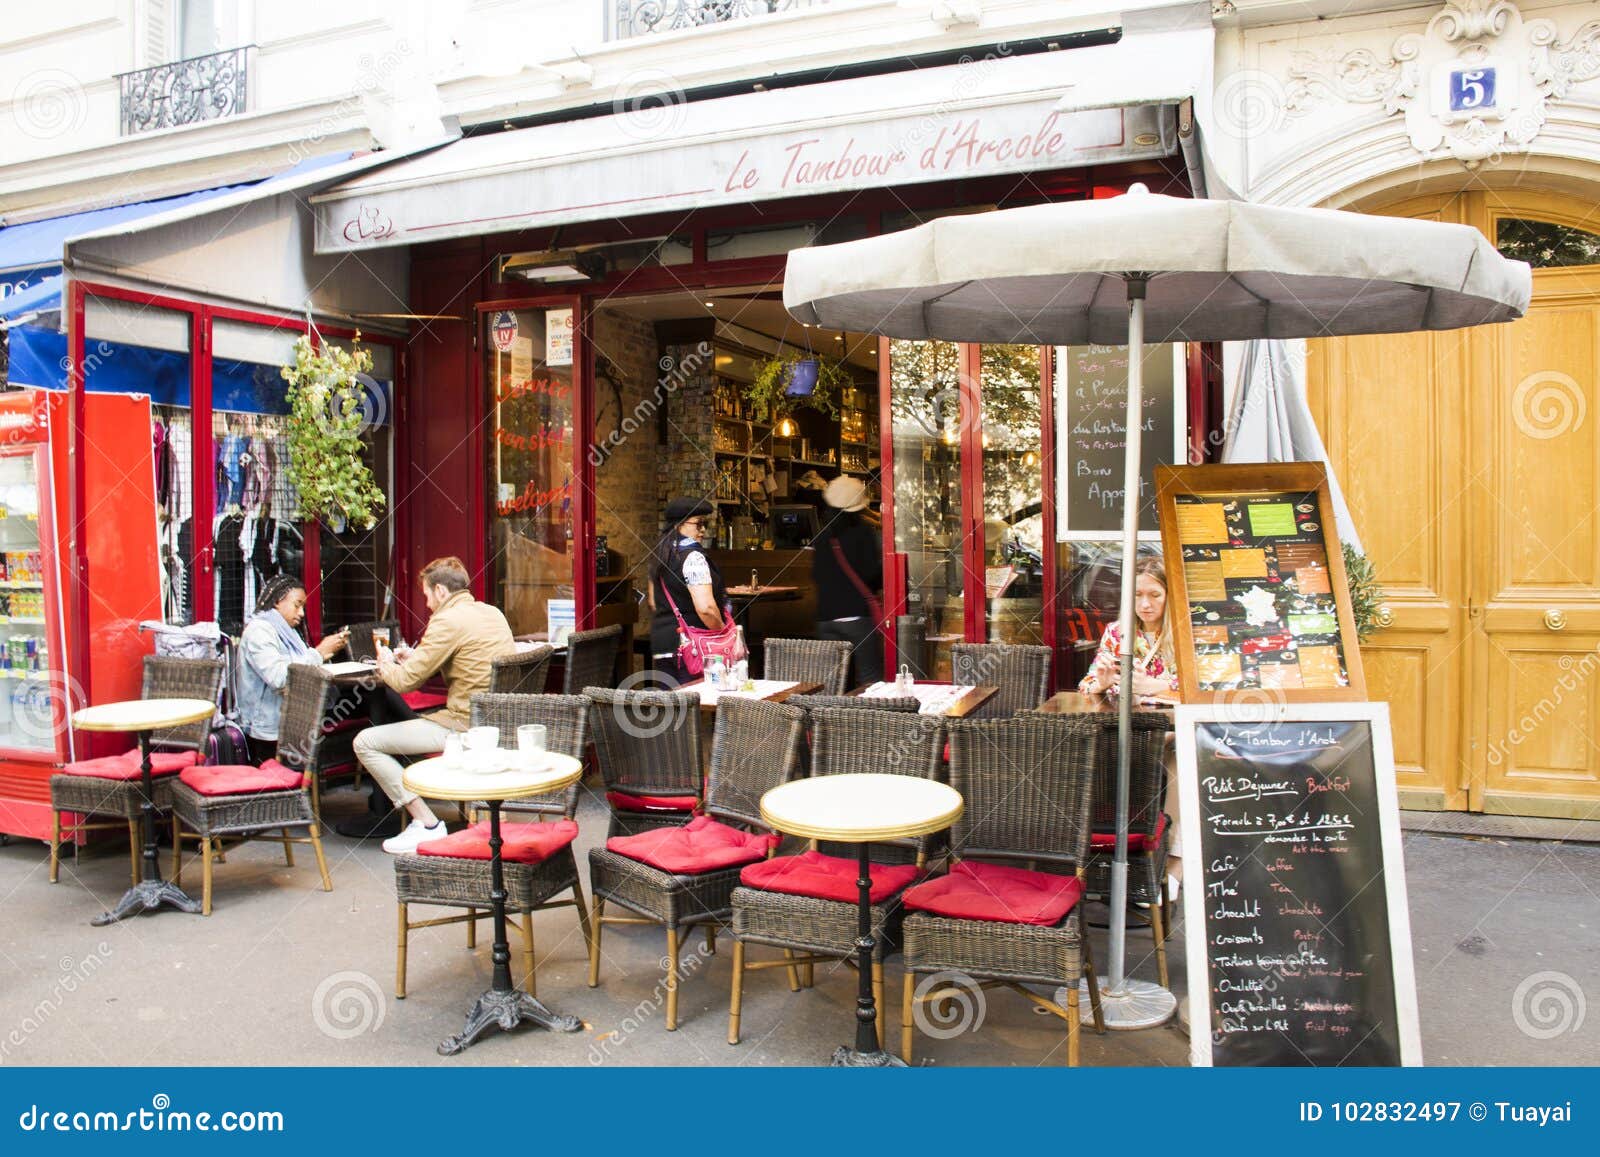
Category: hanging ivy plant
[1366,595]
[329,411]
[768,402]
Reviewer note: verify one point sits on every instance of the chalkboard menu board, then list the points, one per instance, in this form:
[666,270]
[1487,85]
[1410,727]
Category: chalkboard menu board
[1091,434]
[1256,577]
[1298,937]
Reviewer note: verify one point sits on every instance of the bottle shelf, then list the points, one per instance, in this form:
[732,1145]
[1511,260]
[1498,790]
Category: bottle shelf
[21,620]
[10,585]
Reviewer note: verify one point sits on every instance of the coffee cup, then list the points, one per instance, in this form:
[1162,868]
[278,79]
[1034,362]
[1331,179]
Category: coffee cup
[482,738]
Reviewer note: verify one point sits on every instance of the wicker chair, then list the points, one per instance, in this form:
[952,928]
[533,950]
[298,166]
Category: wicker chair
[822,661]
[647,744]
[1027,784]
[591,659]
[360,642]
[452,882]
[1021,672]
[755,748]
[842,741]
[1149,840]
[244,802]
[523,673]
[315,729]
[93,795]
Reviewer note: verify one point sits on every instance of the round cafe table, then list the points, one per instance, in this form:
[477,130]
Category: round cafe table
[144,716]
[858,809]
[441,778]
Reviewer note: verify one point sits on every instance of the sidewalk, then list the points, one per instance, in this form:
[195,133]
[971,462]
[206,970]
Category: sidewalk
[285,974]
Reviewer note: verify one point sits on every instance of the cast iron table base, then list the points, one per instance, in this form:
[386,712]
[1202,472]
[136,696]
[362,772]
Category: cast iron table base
[151,891]
[866,1054]
[503,1004]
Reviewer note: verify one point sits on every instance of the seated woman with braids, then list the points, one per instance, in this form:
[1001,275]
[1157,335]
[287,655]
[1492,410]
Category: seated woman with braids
[270,643]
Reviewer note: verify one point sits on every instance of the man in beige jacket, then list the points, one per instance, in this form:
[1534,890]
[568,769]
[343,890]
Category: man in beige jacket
[461,642]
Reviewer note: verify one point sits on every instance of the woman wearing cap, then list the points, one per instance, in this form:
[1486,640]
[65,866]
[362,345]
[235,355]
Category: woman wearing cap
[847,567]
[680,571]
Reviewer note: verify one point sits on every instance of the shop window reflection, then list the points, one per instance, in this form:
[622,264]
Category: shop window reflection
[925,407]
[1013,494]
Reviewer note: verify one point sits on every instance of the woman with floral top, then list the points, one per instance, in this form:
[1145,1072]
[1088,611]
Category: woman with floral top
[1155,673]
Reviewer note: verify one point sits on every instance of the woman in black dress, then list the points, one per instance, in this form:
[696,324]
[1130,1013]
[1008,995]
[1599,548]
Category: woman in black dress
[682,576]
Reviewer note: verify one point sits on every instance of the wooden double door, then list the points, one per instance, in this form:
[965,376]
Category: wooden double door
[1471,462]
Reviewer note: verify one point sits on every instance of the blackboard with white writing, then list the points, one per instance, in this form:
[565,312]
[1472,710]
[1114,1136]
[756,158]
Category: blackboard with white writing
[1092,439]
[1291,893]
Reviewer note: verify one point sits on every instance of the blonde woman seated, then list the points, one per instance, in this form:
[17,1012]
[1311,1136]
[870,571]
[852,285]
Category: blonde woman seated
[1155,674]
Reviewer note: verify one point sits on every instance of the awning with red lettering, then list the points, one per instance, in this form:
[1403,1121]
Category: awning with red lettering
[991,115]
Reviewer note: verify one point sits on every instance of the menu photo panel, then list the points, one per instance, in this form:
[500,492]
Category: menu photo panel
[1256,584]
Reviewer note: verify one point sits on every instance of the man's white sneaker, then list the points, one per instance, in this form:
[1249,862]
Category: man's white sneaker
[416,832]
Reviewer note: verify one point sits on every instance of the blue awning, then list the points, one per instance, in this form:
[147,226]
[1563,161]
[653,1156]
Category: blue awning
[40,298]
[36,243]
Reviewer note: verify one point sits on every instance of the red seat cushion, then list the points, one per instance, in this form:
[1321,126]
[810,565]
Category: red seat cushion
[979,891]
[622,801]
[701,845]
[126,765]
[826,877]
[521,843]
[424,700]
[1107,841]
[242,779]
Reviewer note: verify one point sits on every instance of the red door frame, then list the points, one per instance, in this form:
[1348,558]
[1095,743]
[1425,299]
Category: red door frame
[201,319]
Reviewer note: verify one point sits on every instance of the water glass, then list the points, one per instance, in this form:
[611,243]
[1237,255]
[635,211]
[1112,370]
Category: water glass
[531,739]
[453,748]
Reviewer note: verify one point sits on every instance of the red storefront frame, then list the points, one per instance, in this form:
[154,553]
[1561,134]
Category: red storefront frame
[201,318]
[484,294]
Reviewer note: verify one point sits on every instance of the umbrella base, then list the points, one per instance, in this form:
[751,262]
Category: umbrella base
[1137,1004]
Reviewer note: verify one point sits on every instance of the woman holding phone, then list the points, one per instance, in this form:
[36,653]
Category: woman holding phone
[270,643]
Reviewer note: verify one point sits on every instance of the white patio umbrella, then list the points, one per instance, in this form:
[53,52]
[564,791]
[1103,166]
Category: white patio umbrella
[1144,267]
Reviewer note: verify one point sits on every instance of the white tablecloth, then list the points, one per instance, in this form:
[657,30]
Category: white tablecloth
[763,689]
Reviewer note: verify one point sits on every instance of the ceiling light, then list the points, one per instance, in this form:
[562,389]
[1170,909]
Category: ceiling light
[555,265]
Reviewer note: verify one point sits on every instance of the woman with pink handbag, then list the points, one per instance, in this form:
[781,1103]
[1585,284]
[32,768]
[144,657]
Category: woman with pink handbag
[692,619]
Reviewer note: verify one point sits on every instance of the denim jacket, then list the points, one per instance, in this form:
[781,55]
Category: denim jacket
[263,670]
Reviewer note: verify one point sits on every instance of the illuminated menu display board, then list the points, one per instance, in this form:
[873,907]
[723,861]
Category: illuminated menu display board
[1256,582]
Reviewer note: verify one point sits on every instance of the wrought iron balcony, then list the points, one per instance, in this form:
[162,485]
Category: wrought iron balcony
[630,18]
[185,92]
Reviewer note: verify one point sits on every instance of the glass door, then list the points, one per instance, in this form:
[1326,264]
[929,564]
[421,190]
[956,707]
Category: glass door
[929,542]
[531,379]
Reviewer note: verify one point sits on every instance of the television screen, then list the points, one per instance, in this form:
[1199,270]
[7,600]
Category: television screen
[793,526]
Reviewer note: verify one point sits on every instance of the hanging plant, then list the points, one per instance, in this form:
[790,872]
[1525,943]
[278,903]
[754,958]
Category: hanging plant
[768,396]
[1366,596]
[329,411]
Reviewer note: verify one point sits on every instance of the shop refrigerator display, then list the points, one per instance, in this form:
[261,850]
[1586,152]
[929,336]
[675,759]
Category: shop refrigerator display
[29,628]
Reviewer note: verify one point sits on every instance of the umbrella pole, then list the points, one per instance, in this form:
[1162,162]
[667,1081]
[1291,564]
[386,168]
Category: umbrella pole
[1125,1002]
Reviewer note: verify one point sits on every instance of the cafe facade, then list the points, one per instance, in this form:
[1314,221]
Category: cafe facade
[598,301]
